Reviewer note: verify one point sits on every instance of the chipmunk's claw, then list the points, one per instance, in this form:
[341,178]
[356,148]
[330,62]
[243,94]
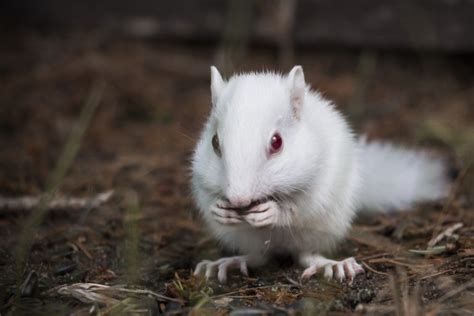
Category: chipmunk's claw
[221,267]
[342,270]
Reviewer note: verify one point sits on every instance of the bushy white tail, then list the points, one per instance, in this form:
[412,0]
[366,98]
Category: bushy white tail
[394,178]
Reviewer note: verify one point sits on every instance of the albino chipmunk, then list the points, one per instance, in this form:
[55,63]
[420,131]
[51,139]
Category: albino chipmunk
[278,170]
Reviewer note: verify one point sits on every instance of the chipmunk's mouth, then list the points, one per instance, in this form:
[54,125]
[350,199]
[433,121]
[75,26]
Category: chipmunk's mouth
[251,205]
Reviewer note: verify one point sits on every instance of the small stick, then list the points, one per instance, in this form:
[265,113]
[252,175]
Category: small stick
[99,293]
[83,248]
[448,232]
[29,203]
[373,270]
[374,256]
[404,264]
[435,274]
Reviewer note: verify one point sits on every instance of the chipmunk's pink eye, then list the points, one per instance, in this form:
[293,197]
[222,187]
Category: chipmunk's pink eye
[275,143]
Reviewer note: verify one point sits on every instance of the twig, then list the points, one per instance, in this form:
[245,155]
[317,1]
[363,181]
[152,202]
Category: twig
[373,270]
[374,256]
[399,263]
[30,284]
[83,248]
[29,203]
[295,283]
[102,294]
[435,274]
[448,232]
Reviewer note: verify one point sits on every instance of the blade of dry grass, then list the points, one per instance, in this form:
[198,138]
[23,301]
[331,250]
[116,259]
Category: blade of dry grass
[55,180]
[132,236]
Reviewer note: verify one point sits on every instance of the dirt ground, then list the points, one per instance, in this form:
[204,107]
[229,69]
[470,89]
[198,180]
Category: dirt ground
[148,236]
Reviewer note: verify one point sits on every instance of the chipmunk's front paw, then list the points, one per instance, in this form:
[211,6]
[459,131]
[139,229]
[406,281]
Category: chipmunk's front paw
[343,270]
[224,215]
[221,266]
[261,215]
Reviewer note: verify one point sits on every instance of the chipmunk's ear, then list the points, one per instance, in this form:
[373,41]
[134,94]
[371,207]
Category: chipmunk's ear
[297,87]
[217,83]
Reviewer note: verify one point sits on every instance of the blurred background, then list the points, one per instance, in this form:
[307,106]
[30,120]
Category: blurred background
[101,103]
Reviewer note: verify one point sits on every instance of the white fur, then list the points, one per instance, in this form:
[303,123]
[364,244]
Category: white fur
[394,177]
[321,175]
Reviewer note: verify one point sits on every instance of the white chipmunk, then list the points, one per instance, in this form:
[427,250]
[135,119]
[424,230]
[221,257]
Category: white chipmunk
[278,170]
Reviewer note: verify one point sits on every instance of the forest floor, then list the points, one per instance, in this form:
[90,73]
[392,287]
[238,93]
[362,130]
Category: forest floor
[147,103]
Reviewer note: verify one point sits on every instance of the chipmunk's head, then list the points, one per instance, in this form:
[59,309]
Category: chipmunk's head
[255,145]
